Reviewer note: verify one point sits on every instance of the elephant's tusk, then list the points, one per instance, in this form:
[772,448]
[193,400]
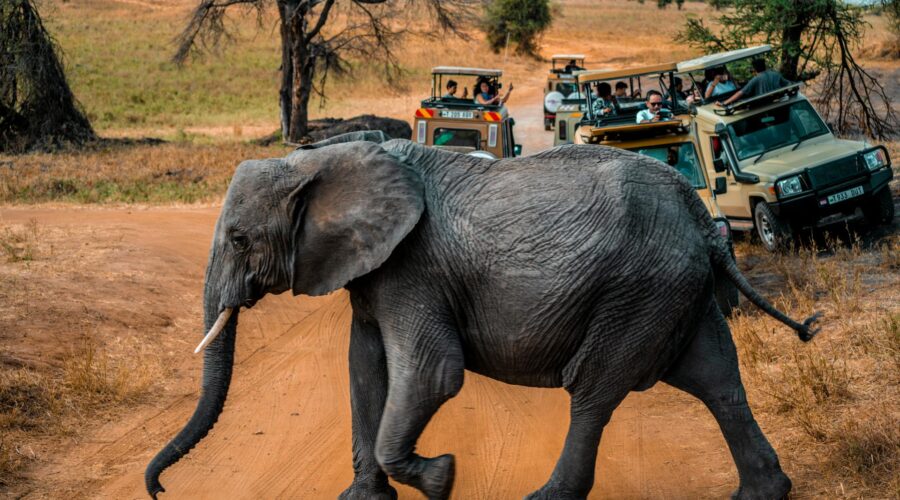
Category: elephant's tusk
[215,330]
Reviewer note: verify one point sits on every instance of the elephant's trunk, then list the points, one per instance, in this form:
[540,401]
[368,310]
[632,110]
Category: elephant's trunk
[218,361]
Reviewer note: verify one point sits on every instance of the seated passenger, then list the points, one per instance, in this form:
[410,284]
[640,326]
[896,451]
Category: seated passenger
[573,66]
[451,91]
[721,83]
[487,94]
[654,112]
[602,104]
[764,81]
[621,90]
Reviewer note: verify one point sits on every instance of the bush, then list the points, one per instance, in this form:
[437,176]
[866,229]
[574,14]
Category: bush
[523,20]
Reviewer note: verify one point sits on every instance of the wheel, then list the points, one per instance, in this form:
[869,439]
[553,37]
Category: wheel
[774,233]
[880,209]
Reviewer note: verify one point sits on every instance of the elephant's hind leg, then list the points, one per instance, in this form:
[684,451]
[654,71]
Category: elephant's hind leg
[573,476]
[708,370]
[368,391]
[421,380]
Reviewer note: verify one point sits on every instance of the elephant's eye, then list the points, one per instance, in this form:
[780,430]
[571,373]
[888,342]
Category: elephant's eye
[240,242]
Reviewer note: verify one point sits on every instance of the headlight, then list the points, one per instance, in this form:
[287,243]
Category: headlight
[875,159]
[789,186]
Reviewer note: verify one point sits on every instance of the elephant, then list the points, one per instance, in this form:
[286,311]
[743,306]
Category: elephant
[588,268]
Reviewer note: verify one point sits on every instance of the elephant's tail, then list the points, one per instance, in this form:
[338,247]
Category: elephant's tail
[723,260]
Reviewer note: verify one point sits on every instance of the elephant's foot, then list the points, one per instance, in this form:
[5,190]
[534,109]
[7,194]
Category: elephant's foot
[774,487]
[369,490]
[436,479]
[554,492]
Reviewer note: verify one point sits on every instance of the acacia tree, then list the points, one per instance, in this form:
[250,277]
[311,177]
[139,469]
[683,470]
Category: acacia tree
[317,37]
[37,108]
[519,21]
[813,40]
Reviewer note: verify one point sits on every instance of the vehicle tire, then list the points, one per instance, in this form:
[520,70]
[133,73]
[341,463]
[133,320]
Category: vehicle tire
[774,233]
[548,125]
[880,209]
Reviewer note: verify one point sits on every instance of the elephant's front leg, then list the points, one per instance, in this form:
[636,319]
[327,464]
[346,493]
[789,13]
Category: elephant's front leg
[426,369]
[368,391]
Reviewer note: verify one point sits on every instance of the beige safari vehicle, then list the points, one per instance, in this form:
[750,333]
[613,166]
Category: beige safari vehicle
[568,117]
[776,167]
[461,124]
[670,140]
[560,84]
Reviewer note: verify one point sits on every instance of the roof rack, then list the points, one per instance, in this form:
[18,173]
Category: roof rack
[559,57]
[595,75]
[720,58]
[456,70]
[757,101]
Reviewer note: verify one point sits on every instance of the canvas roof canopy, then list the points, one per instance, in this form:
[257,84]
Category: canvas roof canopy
[720,58]
[596,75]
[456,70]
[567,57]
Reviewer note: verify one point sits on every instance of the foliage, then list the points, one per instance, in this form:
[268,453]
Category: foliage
[522,21]
[37,108]
[317,36]
[812,40]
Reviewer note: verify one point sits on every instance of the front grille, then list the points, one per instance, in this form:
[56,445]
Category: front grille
[835,172]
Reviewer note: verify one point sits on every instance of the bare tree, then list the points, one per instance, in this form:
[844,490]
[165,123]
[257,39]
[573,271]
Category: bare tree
[37,108]
[317,37]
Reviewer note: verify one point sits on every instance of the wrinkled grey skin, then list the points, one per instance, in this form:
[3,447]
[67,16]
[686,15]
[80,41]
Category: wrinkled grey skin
[582,267]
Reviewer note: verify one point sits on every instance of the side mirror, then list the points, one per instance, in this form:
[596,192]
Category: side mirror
[721,186]
[517,150]
[719,165]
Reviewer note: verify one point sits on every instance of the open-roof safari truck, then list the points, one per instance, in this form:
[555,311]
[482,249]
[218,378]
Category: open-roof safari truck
[560,84]
[670,141]
[463,125]
[775,164]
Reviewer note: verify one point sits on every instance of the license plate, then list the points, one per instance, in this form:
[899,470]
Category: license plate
[845,195]
[465,115]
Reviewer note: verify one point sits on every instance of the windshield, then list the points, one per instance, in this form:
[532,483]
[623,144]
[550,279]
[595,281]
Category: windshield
[775,128]
[681,157]
[457,137]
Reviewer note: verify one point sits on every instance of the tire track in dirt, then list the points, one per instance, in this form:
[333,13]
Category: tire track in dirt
[285,432]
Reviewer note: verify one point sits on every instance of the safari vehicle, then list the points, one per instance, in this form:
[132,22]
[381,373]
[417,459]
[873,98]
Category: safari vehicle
[775,165]
[463,125]
[568,116]
[560,84]
[670,141]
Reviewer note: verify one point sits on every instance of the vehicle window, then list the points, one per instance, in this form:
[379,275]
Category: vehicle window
[457,137]
[682,157]
[775,128]
[566,88]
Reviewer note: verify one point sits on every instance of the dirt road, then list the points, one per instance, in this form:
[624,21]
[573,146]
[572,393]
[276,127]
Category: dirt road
[285,432]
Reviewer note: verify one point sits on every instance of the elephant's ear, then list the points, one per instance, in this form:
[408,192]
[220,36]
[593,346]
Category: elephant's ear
[356,204]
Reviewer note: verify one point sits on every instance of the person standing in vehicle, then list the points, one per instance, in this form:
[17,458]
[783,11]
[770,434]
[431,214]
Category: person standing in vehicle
[720,84]
[764,81]
[603,101]
[487,95]
[451,91]
[654,112]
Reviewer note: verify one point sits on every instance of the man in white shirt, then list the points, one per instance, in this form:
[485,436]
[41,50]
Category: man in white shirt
[654,112]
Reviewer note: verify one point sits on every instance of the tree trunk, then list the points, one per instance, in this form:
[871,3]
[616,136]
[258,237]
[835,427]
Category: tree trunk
[791,38]
[287,70]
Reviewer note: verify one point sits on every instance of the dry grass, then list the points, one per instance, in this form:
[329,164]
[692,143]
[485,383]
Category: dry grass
[20,243]
[182,173]
[830,406]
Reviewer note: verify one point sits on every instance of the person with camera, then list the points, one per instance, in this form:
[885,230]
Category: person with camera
[655,111]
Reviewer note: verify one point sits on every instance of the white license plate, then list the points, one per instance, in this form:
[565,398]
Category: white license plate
[465,115]
[845,195]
